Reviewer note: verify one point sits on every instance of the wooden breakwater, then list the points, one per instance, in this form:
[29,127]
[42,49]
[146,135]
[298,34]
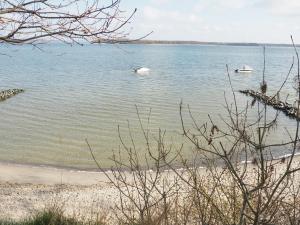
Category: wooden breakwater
[286,108]
[5,94]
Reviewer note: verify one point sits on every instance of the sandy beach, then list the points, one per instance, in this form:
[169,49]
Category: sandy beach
[25,190]
[24,174]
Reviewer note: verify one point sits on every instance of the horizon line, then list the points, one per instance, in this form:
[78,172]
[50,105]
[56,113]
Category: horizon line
[158,41]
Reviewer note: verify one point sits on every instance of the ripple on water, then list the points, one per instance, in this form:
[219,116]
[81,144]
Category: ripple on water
[90,90]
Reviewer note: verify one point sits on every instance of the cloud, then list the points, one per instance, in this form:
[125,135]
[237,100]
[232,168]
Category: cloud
[221,5]
[160,2]
[218,20]
[277,7]
[283,7]
[171,23]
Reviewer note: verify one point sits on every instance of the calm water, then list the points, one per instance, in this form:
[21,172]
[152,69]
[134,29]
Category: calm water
[74,93]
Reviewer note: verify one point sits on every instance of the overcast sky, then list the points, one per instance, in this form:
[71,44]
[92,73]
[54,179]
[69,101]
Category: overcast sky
[269,21]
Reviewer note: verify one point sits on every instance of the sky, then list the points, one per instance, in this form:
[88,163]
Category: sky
[259,21]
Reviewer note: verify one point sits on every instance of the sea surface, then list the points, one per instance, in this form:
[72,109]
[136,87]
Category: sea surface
[78,93]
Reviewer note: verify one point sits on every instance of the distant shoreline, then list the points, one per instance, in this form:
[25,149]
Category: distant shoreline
[171,42]
[178,42]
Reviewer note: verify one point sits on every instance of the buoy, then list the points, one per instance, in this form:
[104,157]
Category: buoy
[245,69]
[142,70]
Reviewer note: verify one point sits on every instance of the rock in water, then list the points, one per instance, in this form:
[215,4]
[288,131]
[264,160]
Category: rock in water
[9,93]
[285,107]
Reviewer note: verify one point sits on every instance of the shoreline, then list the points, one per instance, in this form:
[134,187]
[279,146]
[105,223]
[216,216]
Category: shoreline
[47,175]
[194,42]
[38,174]
[53,166]
[28,189]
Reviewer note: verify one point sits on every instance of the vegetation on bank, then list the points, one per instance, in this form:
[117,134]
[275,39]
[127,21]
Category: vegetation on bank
[49,217]
[54,216]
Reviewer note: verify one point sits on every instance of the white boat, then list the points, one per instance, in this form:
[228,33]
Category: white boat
[142,70]
[244,69]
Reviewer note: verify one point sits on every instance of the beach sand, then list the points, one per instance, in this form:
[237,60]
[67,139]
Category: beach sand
[24,174]
[25,190]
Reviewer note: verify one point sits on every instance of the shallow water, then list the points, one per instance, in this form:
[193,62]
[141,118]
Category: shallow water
[74,93]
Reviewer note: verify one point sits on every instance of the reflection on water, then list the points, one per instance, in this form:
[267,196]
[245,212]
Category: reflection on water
[74,93]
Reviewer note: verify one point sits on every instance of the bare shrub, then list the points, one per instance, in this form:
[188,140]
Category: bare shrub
[232,177]
[71,21]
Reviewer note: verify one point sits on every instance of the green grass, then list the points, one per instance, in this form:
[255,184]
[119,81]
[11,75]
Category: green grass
[49,217]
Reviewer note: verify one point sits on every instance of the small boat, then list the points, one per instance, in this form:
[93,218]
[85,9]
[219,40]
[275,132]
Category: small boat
[142,70]
[245,69]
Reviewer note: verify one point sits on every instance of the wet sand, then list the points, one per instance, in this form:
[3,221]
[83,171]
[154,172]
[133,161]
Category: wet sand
[24,174]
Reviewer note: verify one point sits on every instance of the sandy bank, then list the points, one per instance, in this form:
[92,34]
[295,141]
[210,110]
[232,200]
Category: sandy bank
[26,189]
[27,174]
[18,201]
